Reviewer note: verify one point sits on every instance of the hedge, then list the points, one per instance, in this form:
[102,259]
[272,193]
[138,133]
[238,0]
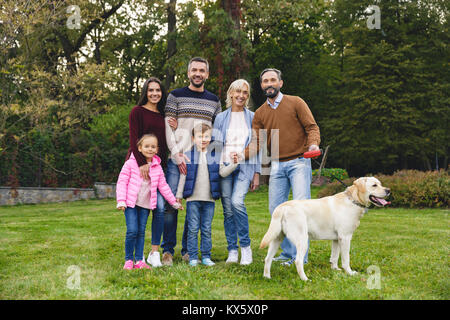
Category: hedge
[409,188]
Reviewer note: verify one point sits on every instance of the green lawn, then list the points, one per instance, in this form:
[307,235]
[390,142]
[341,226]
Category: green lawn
[40,242]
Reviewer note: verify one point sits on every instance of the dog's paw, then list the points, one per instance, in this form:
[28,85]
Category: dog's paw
[305,279]
[336,268]
[267,276]
[351,272]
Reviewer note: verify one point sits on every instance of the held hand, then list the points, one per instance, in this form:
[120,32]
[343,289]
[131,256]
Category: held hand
[236,157]
[314,147]
[144,170]
[255,182]
[181,160]
[178,205]
[182,168]
[121,208]
[173,123]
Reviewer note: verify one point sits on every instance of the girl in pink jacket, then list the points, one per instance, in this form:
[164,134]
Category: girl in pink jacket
[136,197]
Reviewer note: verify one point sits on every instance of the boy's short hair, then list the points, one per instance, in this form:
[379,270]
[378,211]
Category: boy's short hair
[203,127]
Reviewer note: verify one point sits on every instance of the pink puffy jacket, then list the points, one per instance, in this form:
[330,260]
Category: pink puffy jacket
[129,183]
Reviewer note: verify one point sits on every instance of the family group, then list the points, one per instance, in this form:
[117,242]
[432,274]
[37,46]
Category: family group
[183,146]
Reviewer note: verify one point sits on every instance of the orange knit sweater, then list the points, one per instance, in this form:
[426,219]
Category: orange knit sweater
[297,129]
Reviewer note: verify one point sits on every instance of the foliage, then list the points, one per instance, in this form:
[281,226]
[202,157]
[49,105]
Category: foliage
[379,96]
[292,42]
[393,87]
[331,173]
[409,188]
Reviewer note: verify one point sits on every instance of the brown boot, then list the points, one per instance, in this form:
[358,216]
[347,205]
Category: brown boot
[167,259]
[185,258]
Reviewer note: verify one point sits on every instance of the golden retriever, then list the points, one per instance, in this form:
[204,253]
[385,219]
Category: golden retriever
[330,218]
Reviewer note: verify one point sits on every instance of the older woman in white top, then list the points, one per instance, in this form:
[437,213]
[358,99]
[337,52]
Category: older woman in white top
[232,128]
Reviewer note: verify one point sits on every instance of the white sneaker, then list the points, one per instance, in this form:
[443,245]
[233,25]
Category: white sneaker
[154,260]
[232,256]
[246,255]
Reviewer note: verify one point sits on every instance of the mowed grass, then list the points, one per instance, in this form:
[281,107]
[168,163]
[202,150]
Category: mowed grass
[38,244]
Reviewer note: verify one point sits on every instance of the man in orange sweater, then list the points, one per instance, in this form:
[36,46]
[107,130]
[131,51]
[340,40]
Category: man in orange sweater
[290,119]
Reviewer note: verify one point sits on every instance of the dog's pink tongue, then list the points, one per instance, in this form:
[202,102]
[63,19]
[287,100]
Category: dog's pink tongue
[383,202]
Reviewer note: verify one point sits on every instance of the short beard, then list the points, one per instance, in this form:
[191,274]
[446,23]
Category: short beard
[197,85]
[272,95]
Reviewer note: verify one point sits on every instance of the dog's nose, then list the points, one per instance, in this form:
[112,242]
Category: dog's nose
[388,191]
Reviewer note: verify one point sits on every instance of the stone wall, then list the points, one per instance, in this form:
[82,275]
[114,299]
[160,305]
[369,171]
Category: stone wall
[25,195]
[103,190]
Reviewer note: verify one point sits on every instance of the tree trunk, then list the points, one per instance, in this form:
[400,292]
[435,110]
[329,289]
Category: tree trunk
[239,63]
[171,42]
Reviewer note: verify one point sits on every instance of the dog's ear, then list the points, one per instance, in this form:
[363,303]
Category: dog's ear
[359,189]
[360,184]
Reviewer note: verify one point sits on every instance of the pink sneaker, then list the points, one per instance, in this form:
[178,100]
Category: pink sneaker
[128,265]
[141,265]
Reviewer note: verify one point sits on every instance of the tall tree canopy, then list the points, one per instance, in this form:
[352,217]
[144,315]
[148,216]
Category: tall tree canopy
[380,96]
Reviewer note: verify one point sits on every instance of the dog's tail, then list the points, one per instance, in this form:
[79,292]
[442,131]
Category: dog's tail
[274,228]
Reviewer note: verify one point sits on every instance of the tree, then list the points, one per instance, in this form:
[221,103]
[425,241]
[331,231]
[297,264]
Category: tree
[290,42]
[171,41]
[389,110]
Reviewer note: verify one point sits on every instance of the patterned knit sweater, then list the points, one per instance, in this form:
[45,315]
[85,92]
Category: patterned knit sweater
[189,108]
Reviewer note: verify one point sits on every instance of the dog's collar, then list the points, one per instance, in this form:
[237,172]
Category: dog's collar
[355,202]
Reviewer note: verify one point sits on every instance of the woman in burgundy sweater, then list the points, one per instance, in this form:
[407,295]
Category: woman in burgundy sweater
[148,117]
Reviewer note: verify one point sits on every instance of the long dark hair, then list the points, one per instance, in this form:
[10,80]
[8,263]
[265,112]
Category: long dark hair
[143,99]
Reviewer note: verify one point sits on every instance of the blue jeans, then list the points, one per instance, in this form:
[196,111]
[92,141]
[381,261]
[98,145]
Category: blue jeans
[136,220]
[158,221]
[171,215]
[235,218]
[295,174]
[199,215]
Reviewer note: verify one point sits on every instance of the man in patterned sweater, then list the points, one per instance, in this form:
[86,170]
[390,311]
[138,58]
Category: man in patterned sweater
[189,106]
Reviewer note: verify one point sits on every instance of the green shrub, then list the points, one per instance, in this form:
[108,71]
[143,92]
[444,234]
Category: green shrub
[409,188]
[70,157]
[332,173]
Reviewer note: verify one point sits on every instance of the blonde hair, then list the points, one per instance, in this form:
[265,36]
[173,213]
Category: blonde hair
[237,84]
[146,136]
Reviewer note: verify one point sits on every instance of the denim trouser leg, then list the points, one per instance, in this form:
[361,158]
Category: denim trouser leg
[226,187]
[301,176]
[158,220]
[136,220]
[171,215]
[199,215]
[235,220]
[279,187]
[206,219]
[295,174]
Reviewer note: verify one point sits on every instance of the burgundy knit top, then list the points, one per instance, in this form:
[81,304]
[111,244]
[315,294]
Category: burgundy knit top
[143,121]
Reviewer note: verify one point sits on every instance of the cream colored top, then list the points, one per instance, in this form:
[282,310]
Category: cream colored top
[237,134]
